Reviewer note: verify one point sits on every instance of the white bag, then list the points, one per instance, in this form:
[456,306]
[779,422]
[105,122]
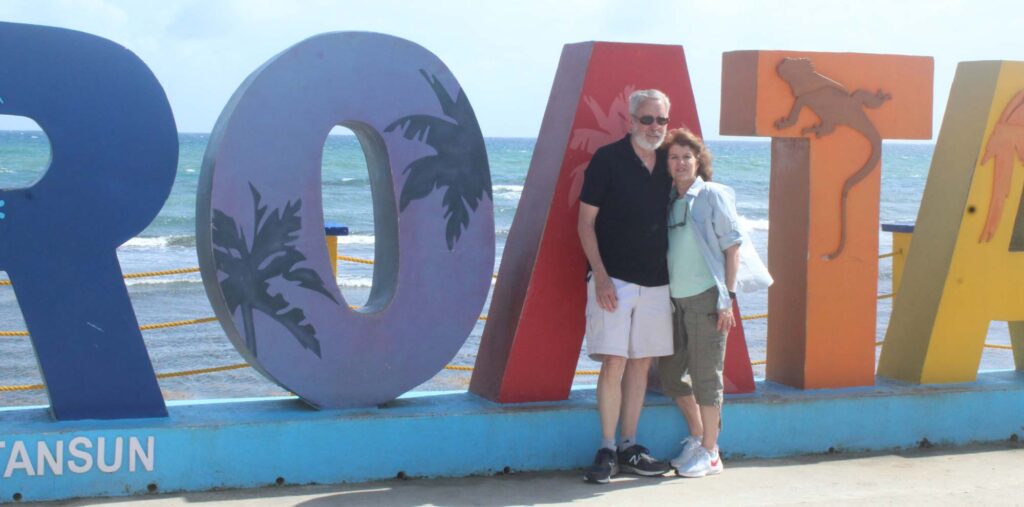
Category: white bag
[752,274]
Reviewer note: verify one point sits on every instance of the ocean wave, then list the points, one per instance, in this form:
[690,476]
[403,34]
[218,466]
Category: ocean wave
[152,242]
[164,280]
[355,283]
[346,182]
[139,242]
[508,191]
[357,239]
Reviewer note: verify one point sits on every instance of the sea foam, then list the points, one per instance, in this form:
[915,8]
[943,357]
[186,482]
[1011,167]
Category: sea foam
[513,192]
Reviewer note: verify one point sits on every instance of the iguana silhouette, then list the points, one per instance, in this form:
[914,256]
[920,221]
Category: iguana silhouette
[834,105]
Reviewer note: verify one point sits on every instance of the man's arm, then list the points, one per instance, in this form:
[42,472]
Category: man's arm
[605,289]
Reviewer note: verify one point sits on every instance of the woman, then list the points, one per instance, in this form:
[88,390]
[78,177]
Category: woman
[703,259]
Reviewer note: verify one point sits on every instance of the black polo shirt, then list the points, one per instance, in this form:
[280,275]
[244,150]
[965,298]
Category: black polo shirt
[631,229]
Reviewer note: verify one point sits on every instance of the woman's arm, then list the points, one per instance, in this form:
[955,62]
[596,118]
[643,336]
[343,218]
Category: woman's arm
[727,229]
[732,264]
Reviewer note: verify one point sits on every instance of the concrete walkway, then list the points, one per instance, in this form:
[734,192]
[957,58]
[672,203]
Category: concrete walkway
[976,475]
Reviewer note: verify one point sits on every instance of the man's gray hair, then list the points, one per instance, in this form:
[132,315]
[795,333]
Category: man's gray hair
[640,96]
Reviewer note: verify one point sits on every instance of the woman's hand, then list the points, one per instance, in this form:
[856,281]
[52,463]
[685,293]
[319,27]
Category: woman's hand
[725,320]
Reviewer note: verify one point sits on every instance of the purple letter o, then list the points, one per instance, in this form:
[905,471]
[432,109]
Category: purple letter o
[259,219]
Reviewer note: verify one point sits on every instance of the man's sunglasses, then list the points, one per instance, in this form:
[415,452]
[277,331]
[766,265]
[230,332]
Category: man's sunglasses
[648,119]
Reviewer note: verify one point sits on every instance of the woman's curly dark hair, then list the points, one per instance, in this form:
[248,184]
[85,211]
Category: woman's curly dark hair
[683,137]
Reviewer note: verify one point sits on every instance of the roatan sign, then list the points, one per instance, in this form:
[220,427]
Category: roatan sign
[259,217]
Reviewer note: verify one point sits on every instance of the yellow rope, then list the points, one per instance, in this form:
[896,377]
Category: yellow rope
[202,371]
[354,259]
[177,323]
[891,254]
[146,274]
[755,316]
[33,387]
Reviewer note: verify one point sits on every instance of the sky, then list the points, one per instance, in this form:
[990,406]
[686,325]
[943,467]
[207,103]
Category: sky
[505,54]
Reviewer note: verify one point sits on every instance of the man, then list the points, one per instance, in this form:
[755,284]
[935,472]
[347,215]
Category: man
[622,227]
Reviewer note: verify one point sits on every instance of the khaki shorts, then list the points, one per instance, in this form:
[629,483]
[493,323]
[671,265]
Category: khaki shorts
[700,351]
[640,326]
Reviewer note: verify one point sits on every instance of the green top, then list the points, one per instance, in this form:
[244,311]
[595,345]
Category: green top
[688,272]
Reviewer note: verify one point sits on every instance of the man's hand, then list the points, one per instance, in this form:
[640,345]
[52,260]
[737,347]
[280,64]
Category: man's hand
[725,320]
[604,289]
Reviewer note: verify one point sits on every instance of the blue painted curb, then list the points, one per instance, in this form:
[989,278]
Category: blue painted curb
[254,442]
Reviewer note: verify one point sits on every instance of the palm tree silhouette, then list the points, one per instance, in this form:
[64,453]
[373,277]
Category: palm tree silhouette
[613,126]
[250,269]
[460,164]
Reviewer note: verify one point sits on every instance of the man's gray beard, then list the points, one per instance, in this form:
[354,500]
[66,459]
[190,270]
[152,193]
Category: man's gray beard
[641,141]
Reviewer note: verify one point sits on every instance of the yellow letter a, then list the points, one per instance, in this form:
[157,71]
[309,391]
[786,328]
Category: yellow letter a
[966,264]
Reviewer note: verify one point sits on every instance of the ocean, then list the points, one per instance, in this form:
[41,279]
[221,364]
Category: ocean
[169,243]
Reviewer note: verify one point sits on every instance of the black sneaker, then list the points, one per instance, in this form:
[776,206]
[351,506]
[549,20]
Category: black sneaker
[604,467]
[637,460]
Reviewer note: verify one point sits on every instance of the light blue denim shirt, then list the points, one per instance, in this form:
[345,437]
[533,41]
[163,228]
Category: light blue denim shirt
[717,227]
[688,274]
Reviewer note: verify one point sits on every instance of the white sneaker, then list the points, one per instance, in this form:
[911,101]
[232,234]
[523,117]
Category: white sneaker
[690,445]
[703,462]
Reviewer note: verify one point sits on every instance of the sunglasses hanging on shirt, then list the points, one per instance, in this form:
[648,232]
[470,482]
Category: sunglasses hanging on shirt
[674,219]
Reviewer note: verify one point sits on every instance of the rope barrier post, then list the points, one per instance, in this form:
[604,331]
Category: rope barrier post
[901,234]
[332,231]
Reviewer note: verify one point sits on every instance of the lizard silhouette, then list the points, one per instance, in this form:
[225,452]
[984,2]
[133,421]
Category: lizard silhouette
[834,105]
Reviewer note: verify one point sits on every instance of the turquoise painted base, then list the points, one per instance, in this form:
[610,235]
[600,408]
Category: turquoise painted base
[254,442]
